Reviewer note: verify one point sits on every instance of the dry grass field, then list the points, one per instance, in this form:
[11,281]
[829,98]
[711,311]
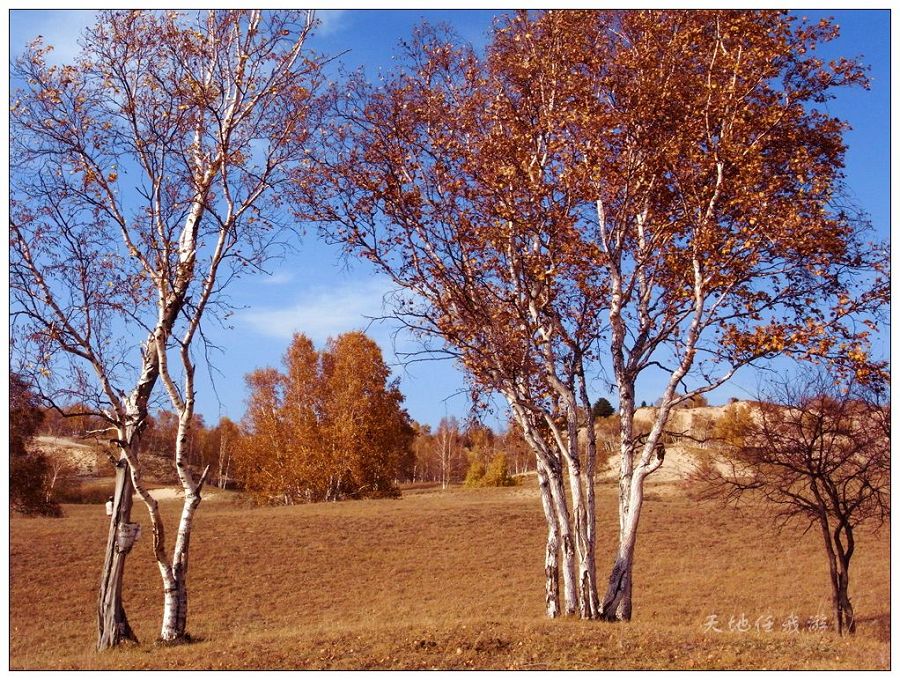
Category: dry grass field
[442,580]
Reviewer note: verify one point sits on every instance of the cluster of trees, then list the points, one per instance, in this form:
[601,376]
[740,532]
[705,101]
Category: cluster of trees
[655,190]
[493,473]
[75,420]
[486,453]
[205,445]
[330,426]
[214,447]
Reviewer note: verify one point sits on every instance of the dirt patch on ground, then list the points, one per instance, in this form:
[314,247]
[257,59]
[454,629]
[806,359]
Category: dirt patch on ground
[169,493]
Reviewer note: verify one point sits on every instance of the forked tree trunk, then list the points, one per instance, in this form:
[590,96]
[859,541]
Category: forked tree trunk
[560,540]
[174,573]
[577,529]
[112,623]
[836,600]
[616,605]
[845,622]
[839,547]
[842,610]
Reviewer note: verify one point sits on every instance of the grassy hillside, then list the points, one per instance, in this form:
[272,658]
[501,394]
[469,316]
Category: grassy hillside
[441,580]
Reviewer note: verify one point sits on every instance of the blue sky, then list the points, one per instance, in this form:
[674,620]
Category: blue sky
[314,291]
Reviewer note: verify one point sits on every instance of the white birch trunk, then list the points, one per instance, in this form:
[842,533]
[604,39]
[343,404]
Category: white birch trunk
[551,559]
[589,590]
[566,539]
[585,578]
[581,484]
[617,602]
[174,574]
[175,602]
[560,543]
[581,524]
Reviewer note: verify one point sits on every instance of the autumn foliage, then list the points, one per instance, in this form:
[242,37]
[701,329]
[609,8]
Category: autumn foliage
[146,179]
[330,426]
[651,189]
[615,192]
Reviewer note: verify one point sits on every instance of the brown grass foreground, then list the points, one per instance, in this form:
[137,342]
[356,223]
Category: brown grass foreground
[441,580]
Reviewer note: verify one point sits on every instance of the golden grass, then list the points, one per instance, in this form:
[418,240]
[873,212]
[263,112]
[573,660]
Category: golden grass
[440,580]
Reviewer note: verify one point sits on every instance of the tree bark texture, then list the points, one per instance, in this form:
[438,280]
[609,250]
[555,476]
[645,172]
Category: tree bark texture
[551,558]
[562,550]
[175,599]
[112,622]
[617,601]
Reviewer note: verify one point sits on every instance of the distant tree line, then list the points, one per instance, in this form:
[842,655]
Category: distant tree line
[213,446]
[471,453]
[331,425]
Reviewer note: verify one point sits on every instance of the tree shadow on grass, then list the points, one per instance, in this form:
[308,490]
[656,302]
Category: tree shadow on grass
[186,639]
[876,625]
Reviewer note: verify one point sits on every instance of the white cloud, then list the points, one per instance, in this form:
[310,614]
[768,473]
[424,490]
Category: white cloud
[277,279]
[330,21]
[322,312]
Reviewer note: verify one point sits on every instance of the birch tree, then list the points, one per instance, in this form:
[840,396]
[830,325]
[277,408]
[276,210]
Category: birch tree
[659,191]
[448,444]
[465,212]
[722,229]
[227,437]
[145,180]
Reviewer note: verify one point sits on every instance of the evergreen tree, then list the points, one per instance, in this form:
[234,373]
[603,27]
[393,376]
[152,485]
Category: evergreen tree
[602,409]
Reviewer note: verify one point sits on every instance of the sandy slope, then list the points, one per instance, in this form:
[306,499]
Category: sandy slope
[680,457]
[84,458]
